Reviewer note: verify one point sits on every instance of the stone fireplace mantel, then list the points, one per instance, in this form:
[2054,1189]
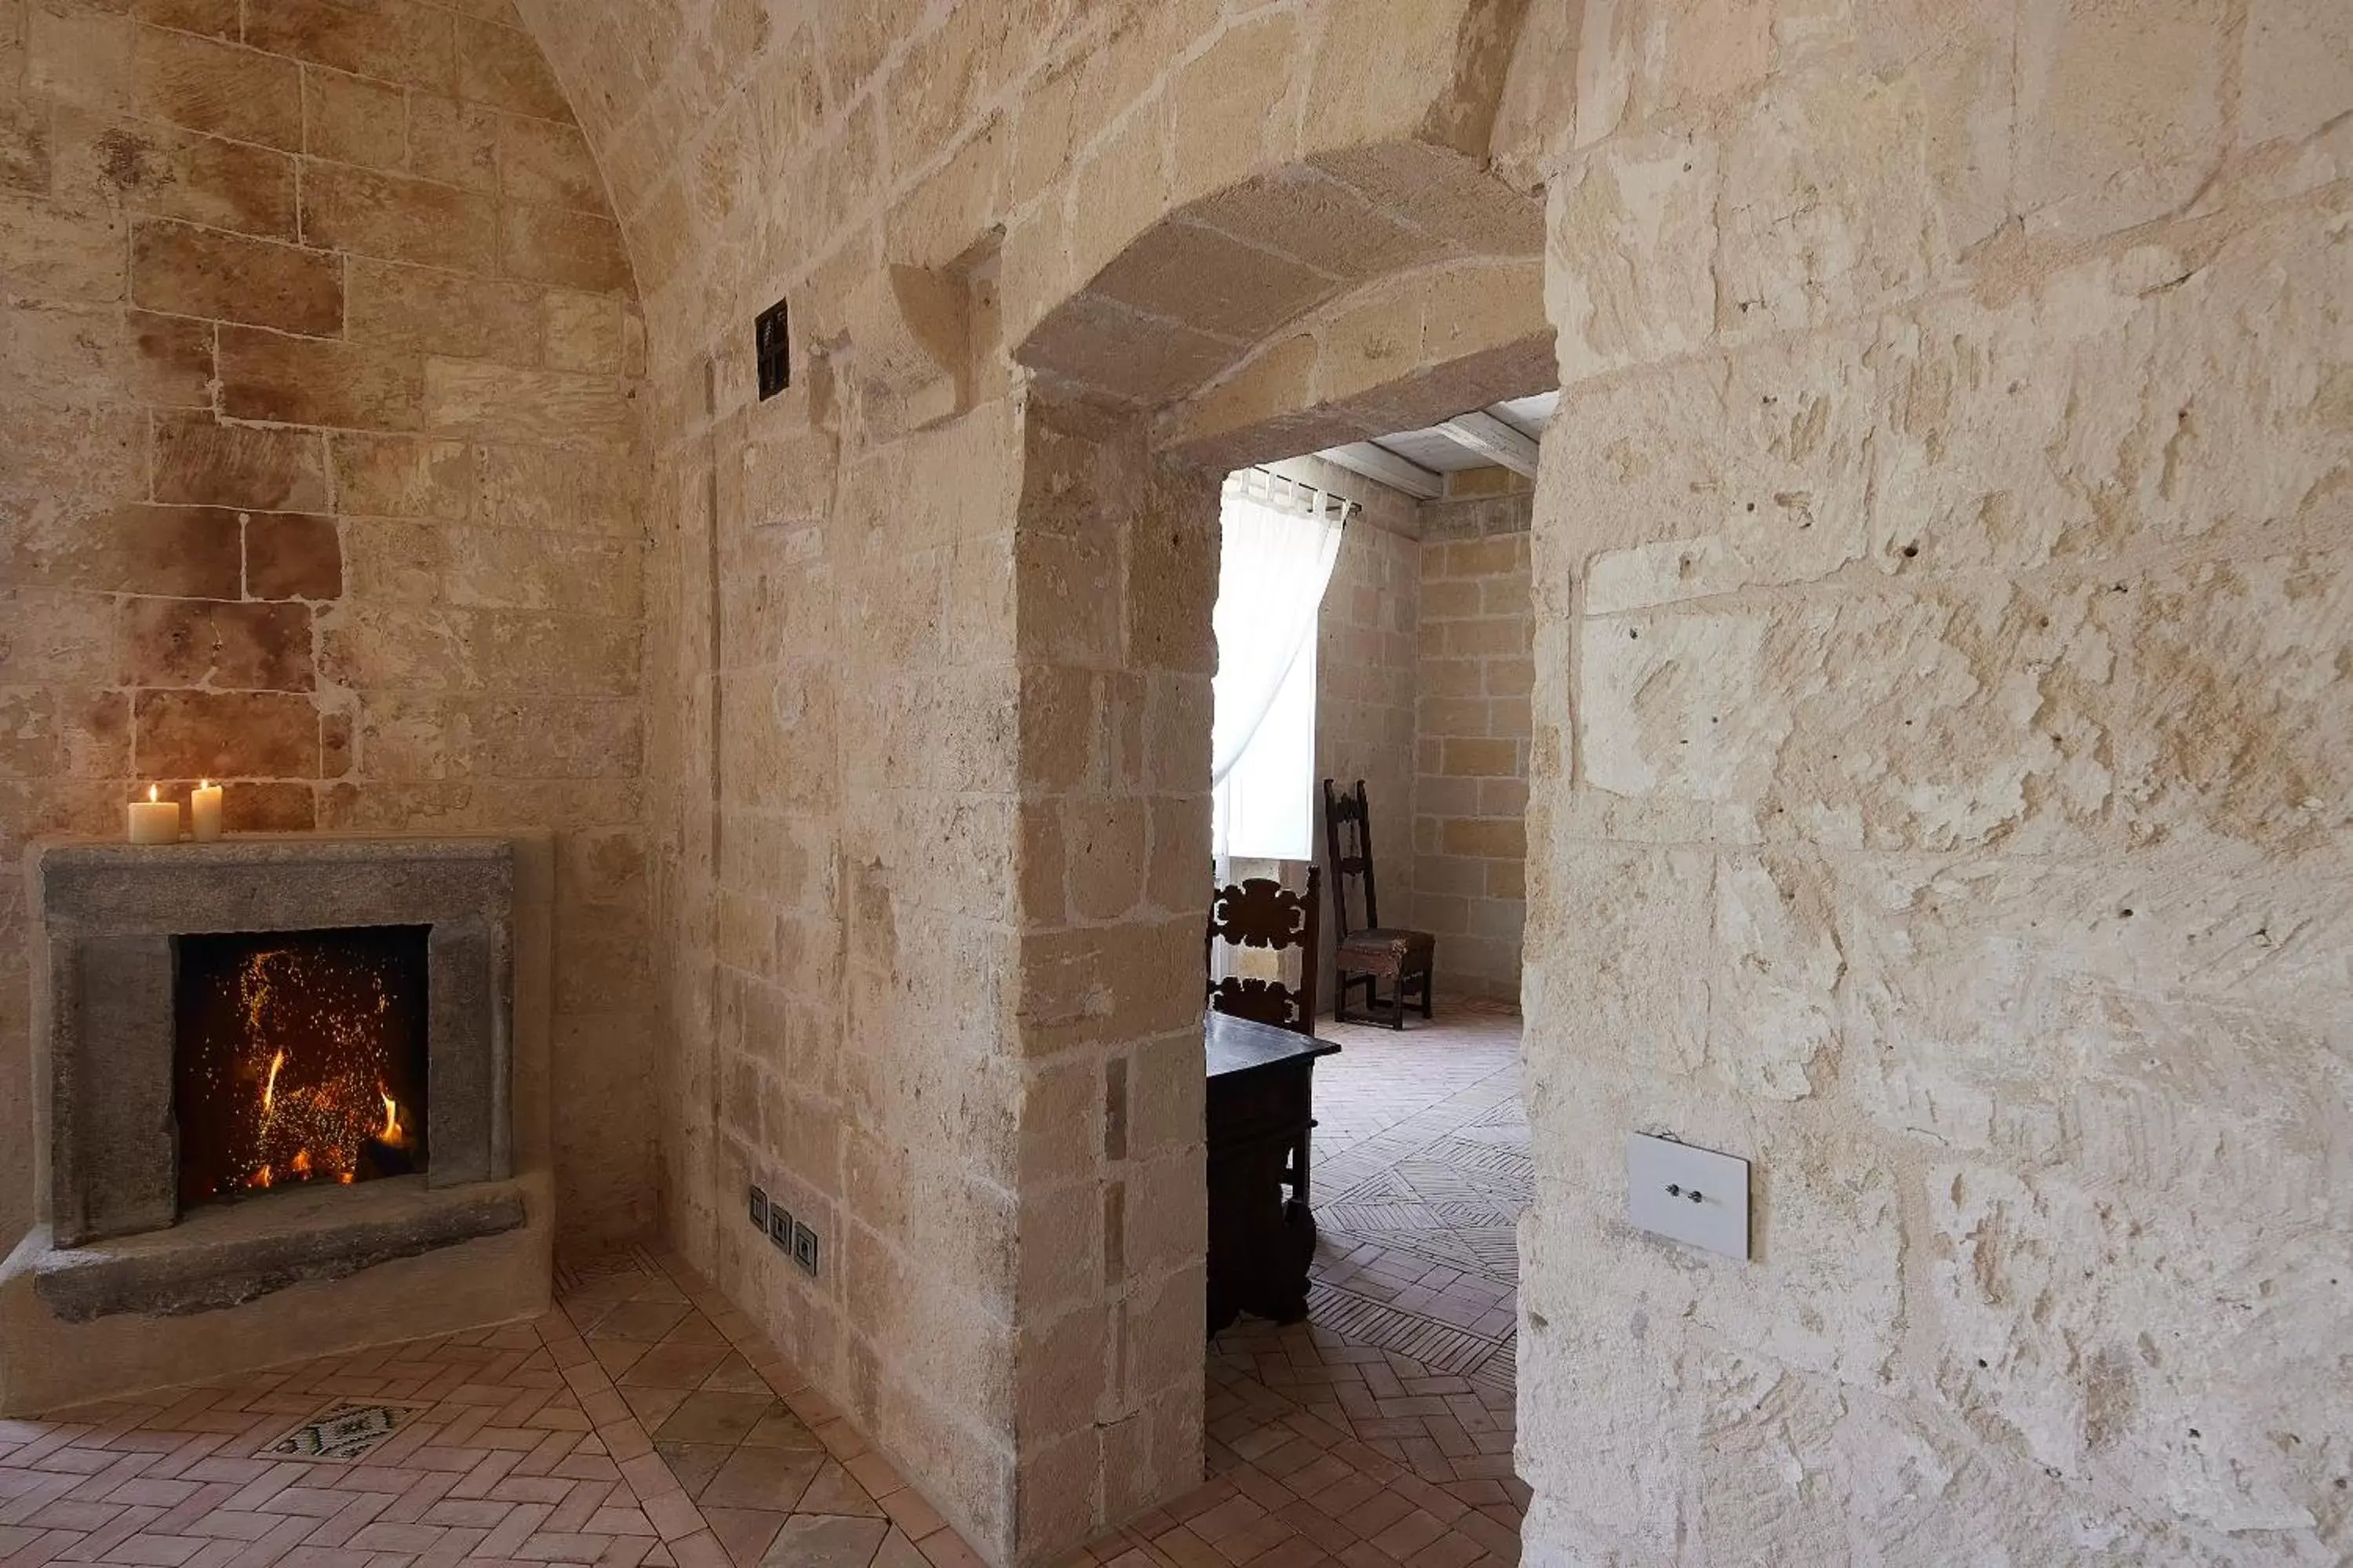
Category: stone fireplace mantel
[108,914]
[115,1289]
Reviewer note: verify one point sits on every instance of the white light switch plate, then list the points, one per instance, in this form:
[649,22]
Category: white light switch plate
[1688,1195]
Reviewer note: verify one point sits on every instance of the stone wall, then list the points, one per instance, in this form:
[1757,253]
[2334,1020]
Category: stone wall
[1117,576]
[1364,676]
[1364,698]
[1944,585]
[1986,311]
[1470,742]
[318,476]
[865,962]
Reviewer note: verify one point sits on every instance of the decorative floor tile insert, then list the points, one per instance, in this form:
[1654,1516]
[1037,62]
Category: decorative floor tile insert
[343,1431]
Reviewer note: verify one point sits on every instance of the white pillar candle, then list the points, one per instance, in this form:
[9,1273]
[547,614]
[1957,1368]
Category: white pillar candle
[204,812]
[154,821]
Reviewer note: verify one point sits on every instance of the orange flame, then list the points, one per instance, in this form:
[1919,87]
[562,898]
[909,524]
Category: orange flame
[262,1177]
[393,1136]
[301,1162]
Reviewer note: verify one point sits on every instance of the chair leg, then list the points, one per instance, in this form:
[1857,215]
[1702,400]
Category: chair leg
[1397,1003]
[1429,984]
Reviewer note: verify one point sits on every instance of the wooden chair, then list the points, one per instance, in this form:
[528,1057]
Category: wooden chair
[1406,959]
[1266,914]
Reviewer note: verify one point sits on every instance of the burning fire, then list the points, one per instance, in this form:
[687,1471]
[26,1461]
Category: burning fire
[328,1124]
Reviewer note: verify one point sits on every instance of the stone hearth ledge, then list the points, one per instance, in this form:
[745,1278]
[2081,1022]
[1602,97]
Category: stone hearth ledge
[51,1362]
[229,1254]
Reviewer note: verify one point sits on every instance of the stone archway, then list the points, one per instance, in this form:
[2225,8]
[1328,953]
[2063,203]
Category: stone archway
[907,611]
[1827,279]
[1241,328]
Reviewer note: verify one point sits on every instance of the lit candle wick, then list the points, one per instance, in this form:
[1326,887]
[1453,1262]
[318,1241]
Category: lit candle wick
[151,792]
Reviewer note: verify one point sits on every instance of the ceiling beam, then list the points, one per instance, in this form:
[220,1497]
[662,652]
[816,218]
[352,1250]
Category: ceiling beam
[1494,440]
[1380,464]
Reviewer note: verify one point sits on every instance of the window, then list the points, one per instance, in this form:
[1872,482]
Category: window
[1280,541]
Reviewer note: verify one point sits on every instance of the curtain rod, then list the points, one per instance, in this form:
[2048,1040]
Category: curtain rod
[1240,478]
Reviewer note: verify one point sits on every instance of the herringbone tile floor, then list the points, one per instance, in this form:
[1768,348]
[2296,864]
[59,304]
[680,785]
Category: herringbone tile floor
[1378,1432]
[646,1422]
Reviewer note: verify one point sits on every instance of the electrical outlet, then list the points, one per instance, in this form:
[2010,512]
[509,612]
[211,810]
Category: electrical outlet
[780,1226]
[772,346]
[759,1208]
[804,1247]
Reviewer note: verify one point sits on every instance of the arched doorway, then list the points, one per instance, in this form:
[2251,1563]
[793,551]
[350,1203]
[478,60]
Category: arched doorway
[1309,310]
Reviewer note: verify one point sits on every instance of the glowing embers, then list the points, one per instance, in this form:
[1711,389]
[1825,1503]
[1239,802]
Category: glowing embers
[300,1056]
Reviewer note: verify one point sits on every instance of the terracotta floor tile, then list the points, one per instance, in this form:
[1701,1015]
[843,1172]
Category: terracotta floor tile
[746,1532]
[672,1366]
[825,1540]
[775,1478]
[711,1417]
[836,1491]
[653,1406]
[692,1463]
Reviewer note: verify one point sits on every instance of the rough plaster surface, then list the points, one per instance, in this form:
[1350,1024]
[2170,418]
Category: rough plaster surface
[1897,340]
[192,1272]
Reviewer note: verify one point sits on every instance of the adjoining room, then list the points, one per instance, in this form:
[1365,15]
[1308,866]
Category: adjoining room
[1372,735]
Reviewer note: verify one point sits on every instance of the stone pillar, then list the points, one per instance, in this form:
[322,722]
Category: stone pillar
[1117,566]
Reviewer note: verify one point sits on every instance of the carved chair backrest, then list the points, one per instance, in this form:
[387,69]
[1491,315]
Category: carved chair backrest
[1265,914]
[1348,845]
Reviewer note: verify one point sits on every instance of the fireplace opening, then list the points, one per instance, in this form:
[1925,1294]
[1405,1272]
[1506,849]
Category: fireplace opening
[299,1057]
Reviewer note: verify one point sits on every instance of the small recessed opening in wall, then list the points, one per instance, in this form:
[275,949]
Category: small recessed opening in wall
[772,344]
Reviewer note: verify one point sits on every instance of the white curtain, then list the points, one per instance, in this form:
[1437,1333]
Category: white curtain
[1280,540]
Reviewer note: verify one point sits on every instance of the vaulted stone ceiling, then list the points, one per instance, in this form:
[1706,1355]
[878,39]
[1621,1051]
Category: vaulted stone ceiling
[737,137]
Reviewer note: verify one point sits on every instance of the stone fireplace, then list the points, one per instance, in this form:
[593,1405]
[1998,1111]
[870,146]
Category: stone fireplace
[289,1097]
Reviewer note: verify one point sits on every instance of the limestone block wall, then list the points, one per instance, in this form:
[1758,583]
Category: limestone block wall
[1118,574]
[841,874]
[1364,695]
[1471,745]
[833,592]
[319,475]
[1944,579]
[1364,670]
[2039,294]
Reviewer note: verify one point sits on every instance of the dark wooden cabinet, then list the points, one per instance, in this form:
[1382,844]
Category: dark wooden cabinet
[1262,1109]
